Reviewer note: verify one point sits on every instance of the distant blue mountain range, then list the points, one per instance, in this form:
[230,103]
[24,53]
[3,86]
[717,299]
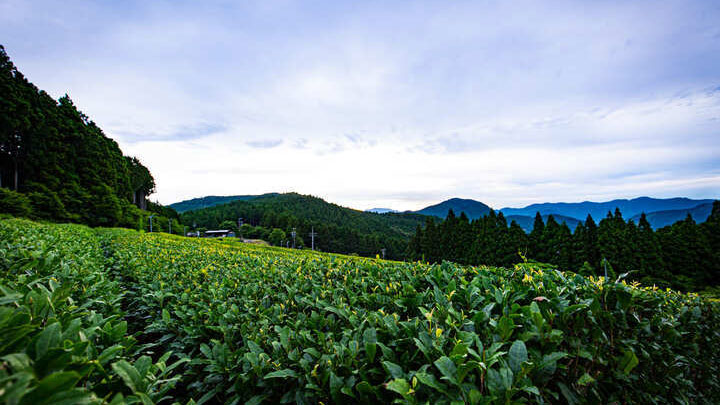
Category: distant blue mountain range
[599,210]
[659,219]
[659,211]
[381,210]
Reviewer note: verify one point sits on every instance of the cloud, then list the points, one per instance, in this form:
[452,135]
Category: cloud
[181,133]
[396,105]
[264,143]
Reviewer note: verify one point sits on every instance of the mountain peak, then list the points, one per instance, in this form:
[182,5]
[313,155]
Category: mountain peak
[473,209]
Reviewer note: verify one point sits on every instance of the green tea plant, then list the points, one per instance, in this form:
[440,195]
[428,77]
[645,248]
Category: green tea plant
[253,324]
[277,326]
[63,339]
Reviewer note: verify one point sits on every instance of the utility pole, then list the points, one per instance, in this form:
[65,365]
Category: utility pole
[383,252]
[293,234]
[312,237]
[150,218]
[605,265]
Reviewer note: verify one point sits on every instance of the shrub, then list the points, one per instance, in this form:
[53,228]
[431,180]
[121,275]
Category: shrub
[14,203]
[265,324]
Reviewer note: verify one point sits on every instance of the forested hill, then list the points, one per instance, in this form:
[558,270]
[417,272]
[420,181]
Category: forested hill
[339,229]
[211,201]
[56,164]
[472,209]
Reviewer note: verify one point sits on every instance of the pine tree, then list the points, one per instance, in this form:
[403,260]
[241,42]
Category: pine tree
[651,266]
[591,245]
[711,230]
[537,249]
[519,241]
[611,234]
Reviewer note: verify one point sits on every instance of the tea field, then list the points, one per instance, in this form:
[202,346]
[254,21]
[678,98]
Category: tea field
[117,316]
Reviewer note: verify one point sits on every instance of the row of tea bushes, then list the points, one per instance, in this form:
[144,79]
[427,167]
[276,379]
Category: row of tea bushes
[271,325]
[63,337]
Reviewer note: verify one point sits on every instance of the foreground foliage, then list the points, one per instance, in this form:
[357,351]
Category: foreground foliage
[257,324]
[63,339]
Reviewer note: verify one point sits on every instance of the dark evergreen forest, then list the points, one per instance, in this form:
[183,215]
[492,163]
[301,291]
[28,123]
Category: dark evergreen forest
[56,164]
[685,255]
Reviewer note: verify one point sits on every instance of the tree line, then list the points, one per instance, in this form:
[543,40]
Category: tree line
[685,255]
[56,164]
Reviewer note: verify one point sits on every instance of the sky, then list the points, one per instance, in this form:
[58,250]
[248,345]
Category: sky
[392,104]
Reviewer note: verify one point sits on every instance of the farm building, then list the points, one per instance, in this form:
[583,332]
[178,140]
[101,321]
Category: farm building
[220,233]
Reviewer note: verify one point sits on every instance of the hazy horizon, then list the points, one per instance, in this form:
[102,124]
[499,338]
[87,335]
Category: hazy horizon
[468,198]
[398,105]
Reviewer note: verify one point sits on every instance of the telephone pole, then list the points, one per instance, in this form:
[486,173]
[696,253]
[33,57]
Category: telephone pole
[293,234]
[604,261]
[150,219]
[312,237]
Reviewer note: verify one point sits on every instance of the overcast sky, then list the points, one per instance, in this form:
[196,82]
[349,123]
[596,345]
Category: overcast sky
[392,104]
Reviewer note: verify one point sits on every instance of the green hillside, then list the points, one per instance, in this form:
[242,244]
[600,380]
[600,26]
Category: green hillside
[472,209]
[339,229]
[209,201]
[118,316]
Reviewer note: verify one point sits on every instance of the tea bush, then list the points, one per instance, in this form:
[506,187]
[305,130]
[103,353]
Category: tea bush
[253,324]
[278,326]
[63,339]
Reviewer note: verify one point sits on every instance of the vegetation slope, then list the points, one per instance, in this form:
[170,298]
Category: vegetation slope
[113,315]
[338,229]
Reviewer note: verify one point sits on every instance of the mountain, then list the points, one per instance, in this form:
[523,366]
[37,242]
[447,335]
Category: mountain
[473,209]
[381,210]
[210,201]
[659,219]
[599,210]
[339,229]
[526,222]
